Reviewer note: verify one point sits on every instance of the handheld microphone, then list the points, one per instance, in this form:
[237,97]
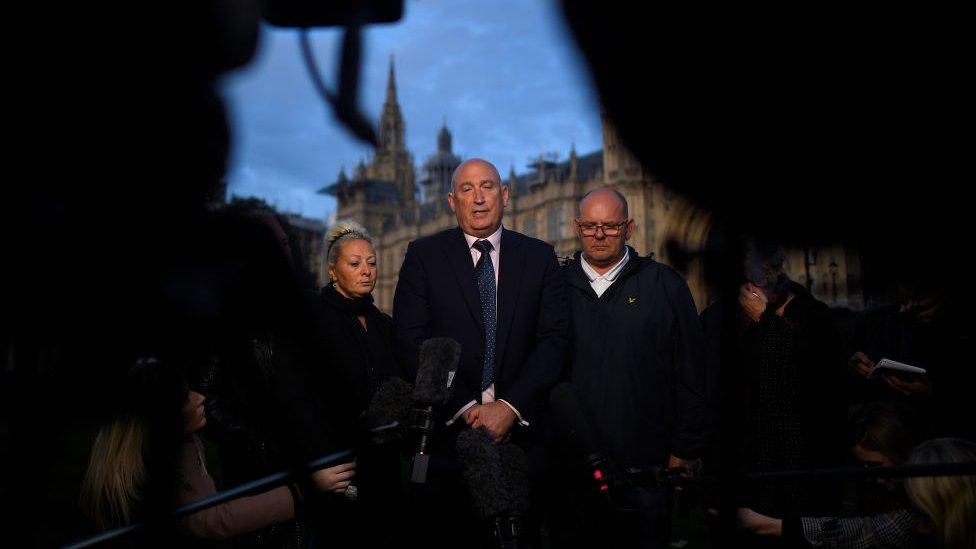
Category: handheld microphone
[384,421]
[438,362]
[575,440]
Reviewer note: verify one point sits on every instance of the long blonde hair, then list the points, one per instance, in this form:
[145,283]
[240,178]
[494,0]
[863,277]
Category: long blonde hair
[949,502]
[116,473]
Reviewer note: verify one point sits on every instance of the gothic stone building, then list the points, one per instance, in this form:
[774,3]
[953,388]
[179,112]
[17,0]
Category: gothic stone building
[383,195]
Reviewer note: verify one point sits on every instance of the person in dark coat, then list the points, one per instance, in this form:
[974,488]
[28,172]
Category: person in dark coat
[928,326]
[355,342]
[253,285]
[638,371]
[789,385]
[358,337]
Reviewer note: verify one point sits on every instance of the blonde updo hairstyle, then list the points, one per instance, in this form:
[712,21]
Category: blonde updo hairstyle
[949,502]
[342,232]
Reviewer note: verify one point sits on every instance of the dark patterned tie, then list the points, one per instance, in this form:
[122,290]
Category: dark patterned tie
[484,272]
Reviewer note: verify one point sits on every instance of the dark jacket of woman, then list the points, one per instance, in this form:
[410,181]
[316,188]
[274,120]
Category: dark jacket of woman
[789,399]
[350,364]
[351,361]
[795,414]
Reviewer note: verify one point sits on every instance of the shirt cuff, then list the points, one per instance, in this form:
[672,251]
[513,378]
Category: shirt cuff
[521,421]
[462,410]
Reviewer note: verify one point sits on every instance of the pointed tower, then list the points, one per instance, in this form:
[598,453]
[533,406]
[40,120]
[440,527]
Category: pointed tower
[512,179]
[391,121]
[573,175]
[619,164]
[444,138]
[512,184]
[392,162]
[342,189]
[438,169]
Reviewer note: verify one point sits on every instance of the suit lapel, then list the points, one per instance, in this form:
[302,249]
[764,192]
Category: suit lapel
[459,258]
[511,266]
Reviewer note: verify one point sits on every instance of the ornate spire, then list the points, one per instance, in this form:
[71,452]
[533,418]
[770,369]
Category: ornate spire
[444,139]
[573,163]
[391,122]
[391,94]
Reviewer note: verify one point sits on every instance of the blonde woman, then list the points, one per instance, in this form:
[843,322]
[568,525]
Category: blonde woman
[358,336]
[942,509]
[115,483]
[356,342]
[948,502]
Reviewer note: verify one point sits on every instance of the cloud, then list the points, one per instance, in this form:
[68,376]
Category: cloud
[502,73]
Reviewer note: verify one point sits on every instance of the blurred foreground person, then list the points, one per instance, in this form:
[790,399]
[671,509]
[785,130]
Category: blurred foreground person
[250,254]
[882,434]
[929,326]
[940,512]
[791,365]
[148,439]
[948,503]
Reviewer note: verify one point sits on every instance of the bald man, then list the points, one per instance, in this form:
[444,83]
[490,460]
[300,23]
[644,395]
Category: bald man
[637,367]
[502,296]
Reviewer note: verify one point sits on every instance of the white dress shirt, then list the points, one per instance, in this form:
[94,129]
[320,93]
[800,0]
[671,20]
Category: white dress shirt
[600,282]
[488,395]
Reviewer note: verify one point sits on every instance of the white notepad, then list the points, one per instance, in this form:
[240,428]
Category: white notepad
[895,366]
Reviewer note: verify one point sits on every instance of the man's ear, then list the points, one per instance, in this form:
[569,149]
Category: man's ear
[504,195]
[629,229]
[450,201]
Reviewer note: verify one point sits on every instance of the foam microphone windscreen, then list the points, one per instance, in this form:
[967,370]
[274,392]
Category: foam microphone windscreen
[388,411]
[438,360]
[515,477]
[481,468]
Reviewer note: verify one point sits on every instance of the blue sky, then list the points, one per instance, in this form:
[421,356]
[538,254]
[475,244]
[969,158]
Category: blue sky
[504,74]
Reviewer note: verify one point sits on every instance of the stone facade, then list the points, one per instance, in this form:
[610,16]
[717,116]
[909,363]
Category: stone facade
[309,236]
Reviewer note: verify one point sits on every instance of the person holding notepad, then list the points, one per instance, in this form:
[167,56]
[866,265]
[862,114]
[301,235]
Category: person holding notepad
[919,351]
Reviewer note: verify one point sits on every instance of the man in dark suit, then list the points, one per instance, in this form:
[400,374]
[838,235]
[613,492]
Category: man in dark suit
[501,295]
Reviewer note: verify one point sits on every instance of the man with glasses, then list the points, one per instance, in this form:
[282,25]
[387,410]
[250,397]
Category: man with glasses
[638,371]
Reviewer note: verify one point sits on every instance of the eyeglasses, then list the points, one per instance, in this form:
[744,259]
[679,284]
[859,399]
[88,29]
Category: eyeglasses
[609,229]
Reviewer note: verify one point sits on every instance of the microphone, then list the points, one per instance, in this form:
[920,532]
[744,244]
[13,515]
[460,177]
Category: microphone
[574,438]
[438,363]
[385,418]
[515,472]
[497,479]
[383,421]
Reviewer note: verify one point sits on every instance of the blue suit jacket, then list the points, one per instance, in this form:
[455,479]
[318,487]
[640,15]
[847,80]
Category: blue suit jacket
[437,296]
